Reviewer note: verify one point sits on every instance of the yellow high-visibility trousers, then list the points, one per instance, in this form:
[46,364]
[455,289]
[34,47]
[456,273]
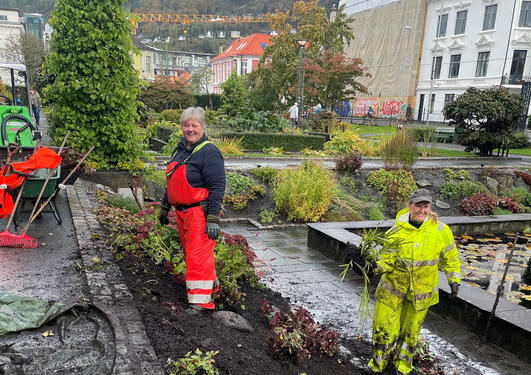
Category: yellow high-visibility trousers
[395,330]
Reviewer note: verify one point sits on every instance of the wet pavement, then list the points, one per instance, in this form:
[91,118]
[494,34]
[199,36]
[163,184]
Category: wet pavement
[50,271]
[312,281]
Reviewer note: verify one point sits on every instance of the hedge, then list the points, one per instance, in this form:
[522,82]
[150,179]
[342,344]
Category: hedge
[289,142]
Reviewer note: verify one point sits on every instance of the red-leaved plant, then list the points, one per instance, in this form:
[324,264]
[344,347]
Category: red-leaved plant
[478,204]
[509,204]
[298,336]
[525,176]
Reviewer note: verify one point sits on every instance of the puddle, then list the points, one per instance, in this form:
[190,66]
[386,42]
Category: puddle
[484,259]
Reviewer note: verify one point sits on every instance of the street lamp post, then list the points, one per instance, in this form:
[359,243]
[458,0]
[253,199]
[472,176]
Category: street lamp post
[300,76]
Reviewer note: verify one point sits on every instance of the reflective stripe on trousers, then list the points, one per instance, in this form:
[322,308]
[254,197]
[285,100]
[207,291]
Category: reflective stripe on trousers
[395,329]
[199,252]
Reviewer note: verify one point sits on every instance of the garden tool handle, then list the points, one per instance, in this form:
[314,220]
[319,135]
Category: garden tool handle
[32,215]
[12,148]
[9,170]
[133,191]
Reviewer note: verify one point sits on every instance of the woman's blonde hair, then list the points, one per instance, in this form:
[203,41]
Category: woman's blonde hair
[433,215]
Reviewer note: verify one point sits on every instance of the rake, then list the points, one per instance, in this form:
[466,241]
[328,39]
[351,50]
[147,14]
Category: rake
[22,240]
[5,233]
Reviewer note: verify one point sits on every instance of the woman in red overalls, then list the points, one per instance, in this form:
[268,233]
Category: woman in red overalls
[195,187]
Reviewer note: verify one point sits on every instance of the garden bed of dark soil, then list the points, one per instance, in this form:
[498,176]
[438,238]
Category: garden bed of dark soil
[174,330]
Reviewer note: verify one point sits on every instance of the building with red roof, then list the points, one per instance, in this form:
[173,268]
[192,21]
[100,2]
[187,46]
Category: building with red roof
[241,56]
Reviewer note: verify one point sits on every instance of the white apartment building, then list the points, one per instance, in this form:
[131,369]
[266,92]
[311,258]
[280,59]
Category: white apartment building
[11,27]
[474,43]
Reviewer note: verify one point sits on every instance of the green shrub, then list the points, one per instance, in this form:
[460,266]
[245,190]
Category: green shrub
[323,122]
[396,186]
[157,176]
[267,216]
[374,213]
[464,175]
[266,174]
[304,193]
[344,142]
[469,188]
[172,115]
[519,140]
[173,141]
[164,129]
[288,142]
[450,174]
[243,189]
[423,134]
[232,146]
[450,190]
[273,150]
[399,150]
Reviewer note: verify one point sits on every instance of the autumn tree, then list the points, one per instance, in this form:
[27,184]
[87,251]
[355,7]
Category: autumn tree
[167,93]
[94,89]
[277,70]
[485,119]
[333,80]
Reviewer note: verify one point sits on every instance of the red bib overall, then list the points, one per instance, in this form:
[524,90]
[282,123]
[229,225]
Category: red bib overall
[198,248]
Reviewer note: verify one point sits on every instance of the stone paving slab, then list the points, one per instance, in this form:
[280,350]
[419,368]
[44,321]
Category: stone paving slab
[108,291]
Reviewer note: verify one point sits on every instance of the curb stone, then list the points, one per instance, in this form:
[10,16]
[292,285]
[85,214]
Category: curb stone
[134,353]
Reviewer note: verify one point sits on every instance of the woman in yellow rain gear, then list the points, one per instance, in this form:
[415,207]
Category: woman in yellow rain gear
[409,284]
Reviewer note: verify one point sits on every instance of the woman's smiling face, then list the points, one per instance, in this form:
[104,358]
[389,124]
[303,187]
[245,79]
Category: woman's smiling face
[419,211]
[192,131]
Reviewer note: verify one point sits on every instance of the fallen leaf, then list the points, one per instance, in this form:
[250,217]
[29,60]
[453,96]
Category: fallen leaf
[474,285]
[510,234]
[465,237]
[48,333]
[501,260]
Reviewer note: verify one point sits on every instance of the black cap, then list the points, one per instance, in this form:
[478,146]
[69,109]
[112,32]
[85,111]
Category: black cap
[421,195]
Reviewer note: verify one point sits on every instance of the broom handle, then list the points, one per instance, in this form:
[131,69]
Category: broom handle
[19,195]
[57,188]
[44,185]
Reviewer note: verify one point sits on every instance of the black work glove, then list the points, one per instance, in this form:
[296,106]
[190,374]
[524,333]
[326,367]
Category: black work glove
[455,289]
[163,215]
[212,227]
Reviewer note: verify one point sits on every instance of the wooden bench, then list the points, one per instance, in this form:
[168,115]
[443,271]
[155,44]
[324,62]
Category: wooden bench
[445,134]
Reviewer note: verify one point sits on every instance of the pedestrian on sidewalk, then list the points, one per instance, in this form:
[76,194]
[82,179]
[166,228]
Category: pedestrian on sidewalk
[409,284]
[294,114]
[36,105]
[195,187]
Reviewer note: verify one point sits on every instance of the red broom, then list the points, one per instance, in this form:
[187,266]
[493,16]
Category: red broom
[22,240]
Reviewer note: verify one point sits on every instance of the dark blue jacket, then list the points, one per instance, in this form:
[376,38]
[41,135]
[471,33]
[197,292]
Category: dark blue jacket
[204,169]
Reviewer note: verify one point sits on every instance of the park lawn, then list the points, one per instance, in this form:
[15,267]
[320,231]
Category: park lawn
[520,151]
[373,129]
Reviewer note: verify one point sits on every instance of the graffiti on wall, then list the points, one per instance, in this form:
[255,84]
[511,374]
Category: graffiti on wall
[383,107]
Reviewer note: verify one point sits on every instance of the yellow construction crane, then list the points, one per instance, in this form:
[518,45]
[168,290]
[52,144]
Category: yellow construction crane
[186,19]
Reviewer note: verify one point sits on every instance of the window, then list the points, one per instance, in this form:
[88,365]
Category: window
[243,67]
[436,67]
[525,14]
[455,61]
[448,98]
[517,66]
[441,25]
[460,22]
[148,64]
[432,102]
[3,18]
[490,17]
[483,61]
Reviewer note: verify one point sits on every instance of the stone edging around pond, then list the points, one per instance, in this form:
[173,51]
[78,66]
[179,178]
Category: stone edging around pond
[511,327]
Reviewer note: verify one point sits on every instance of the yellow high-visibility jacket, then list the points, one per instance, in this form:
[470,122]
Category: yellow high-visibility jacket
[412,269]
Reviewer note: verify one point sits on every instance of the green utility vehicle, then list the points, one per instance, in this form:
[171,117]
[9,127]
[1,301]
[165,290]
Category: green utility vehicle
[17,121]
